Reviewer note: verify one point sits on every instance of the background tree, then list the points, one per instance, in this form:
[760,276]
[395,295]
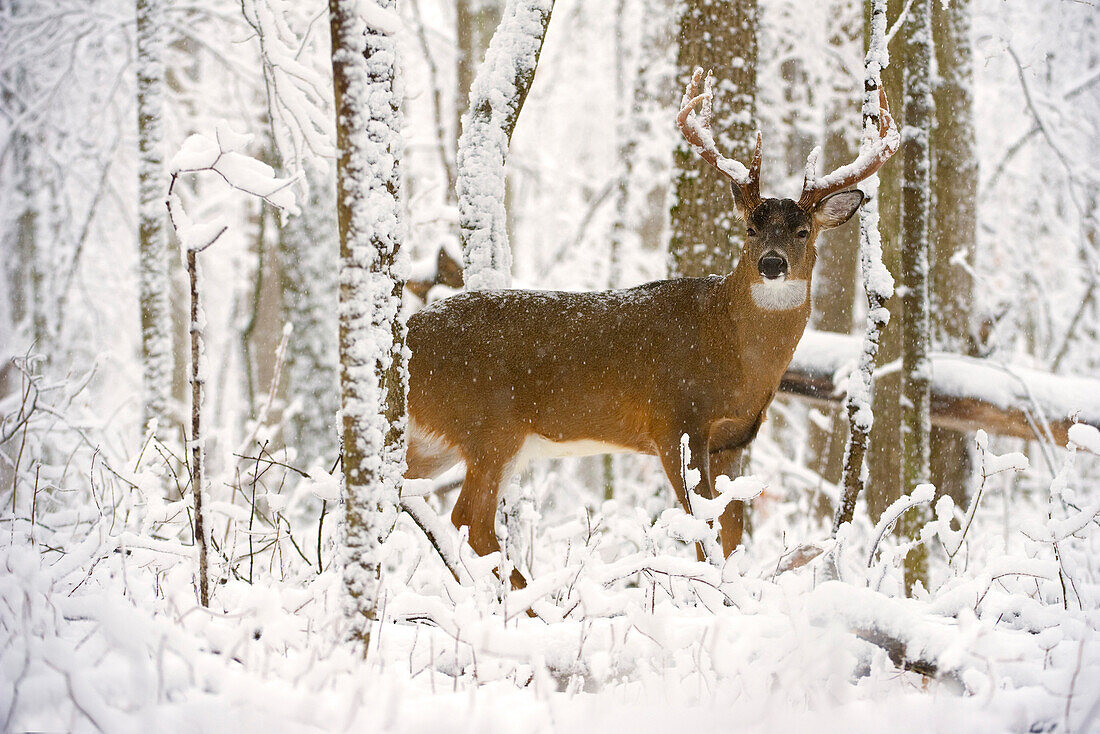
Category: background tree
[156,327]
[705,236]
[373,369]
[301,282]
[954,223]
[308,245]
[915,335]
[884,450]
[878,286]
[836,272]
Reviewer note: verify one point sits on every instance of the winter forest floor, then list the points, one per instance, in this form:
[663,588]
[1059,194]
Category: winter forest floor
[102,630]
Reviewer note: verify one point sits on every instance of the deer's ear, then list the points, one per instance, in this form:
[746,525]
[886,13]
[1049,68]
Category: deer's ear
[835,210]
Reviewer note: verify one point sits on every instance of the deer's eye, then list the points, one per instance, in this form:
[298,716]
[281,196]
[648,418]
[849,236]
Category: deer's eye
[803,233]
[752,232]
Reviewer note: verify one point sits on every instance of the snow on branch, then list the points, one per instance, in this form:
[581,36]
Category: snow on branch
[496,98]
[299,96]
[223,156]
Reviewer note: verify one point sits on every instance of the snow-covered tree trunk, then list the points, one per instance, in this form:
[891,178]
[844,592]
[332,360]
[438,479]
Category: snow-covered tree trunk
[156,327]
[307,251]
[915,332]
[877,283]
[475,23]
[720,36]
[496,99]
[954,225]
[836,272]
[884,451]
[373,363]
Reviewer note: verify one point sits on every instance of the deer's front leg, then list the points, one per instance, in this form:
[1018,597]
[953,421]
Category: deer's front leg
[673,461]
[732,520]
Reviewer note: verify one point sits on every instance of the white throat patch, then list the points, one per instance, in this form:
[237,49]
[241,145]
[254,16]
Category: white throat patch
[780,295]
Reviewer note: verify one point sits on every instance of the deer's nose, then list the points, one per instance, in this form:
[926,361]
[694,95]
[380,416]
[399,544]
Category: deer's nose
[773,265]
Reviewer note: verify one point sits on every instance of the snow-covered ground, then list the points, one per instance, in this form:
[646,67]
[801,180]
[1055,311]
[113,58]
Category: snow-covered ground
[102,631]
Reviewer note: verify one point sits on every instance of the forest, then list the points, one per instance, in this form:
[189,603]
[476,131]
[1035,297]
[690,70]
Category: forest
[478,365]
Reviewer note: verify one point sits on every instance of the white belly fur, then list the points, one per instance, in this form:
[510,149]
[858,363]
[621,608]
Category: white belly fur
[540,447]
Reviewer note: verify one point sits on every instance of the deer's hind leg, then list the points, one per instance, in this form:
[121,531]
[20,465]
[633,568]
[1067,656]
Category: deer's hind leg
[476,507]
[428,455]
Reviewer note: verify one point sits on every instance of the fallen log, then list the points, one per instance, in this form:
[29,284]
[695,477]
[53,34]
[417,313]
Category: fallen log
[967,393]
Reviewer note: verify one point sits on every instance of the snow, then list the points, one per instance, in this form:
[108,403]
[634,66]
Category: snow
[649,639]
[222,155]
[99,625]
[1009,387]
[1085,437]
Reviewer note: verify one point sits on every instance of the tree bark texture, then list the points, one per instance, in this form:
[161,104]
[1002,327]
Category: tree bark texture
[153,252]
[373,369]
[916,326]
[954,225]
[706,235]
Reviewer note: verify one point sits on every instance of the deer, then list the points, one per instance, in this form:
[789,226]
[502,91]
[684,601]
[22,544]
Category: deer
[498,378]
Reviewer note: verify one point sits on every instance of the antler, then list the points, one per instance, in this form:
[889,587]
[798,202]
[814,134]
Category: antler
[697,132]
[869,160]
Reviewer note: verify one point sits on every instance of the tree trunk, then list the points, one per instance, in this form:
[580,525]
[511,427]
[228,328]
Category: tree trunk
[374,371]
[706,236]
[156,327]
[954,223]
[835,276]
[496,99]
[884,450]
[475,23]
[916,329]
[877,285]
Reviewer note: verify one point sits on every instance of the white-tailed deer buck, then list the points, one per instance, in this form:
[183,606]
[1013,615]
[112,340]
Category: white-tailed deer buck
[500,377]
